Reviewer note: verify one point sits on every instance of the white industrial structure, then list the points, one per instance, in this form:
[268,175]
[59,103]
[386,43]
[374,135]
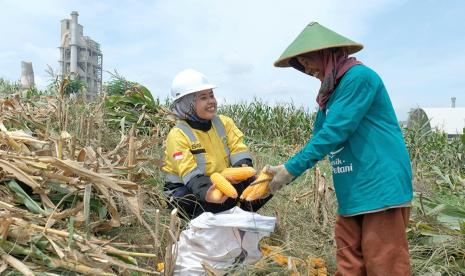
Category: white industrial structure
[450,120]
[27,75]
[80,56]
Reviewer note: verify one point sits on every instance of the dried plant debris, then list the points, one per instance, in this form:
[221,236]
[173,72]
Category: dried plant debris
[59,194]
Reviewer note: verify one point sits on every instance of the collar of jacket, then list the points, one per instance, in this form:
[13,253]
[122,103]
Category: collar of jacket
[200,125]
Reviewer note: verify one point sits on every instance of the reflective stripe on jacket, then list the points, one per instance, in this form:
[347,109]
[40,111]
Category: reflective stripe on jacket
[190,152]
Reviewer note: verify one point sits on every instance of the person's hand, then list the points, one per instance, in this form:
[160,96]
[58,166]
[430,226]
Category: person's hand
[209,197]
[281,177]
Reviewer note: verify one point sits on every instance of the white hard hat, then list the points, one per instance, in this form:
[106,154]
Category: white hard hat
[189,81]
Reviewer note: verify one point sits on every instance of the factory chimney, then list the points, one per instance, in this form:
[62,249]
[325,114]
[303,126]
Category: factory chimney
[74,44]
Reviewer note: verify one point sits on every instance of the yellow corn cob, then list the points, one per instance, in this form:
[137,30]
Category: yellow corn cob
[216,194]
[275,253]
[322,271]
[316,267]
[223,185]
[160,267]
[259,190]
[263,176]
[246,192]
[316,262]
[239,173]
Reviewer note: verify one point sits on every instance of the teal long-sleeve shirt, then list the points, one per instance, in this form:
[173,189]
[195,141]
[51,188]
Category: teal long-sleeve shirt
[360,133]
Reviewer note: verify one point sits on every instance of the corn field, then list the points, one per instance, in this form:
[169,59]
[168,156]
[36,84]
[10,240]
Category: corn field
[81,188]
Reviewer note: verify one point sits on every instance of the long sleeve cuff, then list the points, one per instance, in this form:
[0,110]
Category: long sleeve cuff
[199,185]
[296,167]
[246,161]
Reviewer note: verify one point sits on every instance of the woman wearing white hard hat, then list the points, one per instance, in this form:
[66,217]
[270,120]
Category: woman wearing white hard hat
[201,144]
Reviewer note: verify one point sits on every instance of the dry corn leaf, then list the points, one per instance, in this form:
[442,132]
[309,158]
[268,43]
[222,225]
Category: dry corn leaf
[23,137]
[23,166]
[87,194]
[3,266]
[12,143]
[55,247]
[46,201]
[115,217]
[122,144]
[19,174]
[38,165]
[126,266]
[19,234]
[69,212]
[15,263]
[80,268]
[127,184]
[4,226]
[76,168]
[211,271]
[66,179]
[15,141]
[81,155]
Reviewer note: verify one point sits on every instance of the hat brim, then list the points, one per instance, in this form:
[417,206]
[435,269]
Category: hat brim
[315,37]
[351,49]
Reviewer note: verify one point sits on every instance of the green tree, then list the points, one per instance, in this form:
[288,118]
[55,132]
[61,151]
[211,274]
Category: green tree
[118,85]
[75,86]
[7,87]
[463,136]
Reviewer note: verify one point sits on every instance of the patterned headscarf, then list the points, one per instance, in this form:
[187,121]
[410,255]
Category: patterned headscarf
[334,63]
[184,108]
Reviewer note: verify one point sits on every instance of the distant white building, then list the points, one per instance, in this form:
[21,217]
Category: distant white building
[80,56]
[450,120]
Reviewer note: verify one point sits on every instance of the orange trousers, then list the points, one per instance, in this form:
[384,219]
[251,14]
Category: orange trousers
[373,244]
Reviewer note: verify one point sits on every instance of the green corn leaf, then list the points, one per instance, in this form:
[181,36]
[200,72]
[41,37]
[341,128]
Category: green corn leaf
[25,199]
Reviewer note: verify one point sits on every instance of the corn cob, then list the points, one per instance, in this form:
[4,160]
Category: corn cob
[239,173]
[246,192]
[316,267]
[216,194]
[260,188]
[316,262]
[258,192]
[223,185]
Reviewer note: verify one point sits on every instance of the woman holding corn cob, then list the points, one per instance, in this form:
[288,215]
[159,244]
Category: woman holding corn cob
[357,128]
[203,144]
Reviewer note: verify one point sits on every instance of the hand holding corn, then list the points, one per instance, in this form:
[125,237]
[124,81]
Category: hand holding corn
[215,196]
[222,182]
[281,177]
[259,188]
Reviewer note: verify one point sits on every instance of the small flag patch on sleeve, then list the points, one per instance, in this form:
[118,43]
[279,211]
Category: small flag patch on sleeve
[178,155]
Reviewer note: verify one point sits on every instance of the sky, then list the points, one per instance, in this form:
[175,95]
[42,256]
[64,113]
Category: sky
[416,46]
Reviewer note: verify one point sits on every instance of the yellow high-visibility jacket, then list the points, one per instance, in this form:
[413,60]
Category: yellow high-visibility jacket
[191,152]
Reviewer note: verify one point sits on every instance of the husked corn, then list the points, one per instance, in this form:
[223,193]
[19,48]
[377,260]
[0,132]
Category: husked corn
[246,192]
[223,185]
[239,173]
[257,191]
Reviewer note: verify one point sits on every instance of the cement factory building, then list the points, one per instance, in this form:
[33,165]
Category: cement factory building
[80,56]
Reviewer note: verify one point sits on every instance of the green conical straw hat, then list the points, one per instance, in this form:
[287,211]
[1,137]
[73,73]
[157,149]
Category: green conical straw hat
[313,38]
